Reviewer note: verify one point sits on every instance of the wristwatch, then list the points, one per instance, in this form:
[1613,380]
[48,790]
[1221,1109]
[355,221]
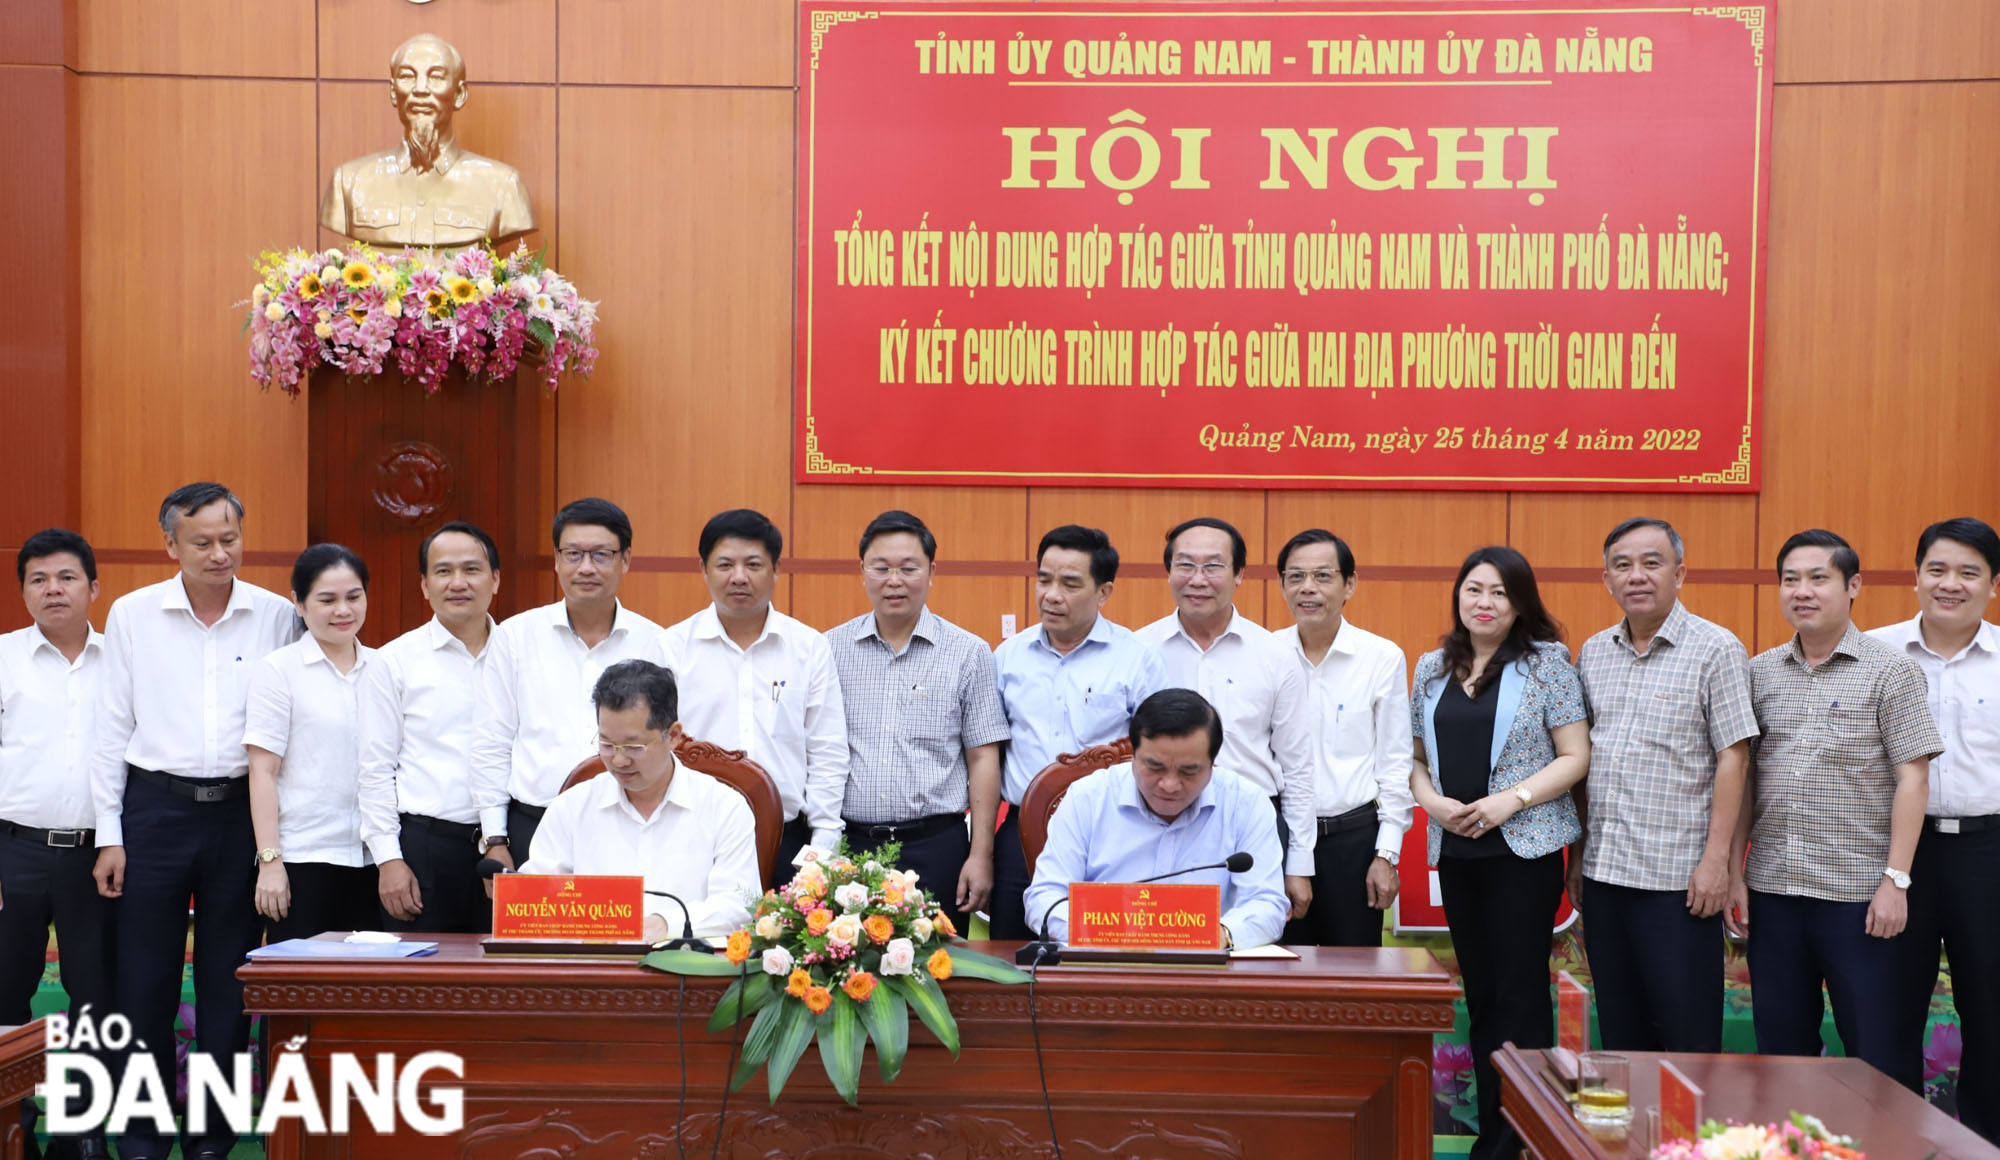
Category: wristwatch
[1525,795]
[1392,857]
[488,841]
[267,855]
[1900,877]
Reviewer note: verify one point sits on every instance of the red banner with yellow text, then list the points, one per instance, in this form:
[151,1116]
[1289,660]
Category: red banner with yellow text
[1302,245]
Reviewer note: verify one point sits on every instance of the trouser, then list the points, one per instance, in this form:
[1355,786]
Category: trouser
[1796,945]
[1500,911]
[42,884]
[1339,914]
[177,848]
[796,835]
[935,847]
[1005,915]
[325,897]
[445,861]
[1656,968]
[1953,886]
[522,822]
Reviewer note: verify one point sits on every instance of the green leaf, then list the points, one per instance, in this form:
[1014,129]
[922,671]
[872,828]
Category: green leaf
[978,965]
[757,1044]
[841,1040]
[795,1031]
[887,1018]
[927,1000]
[684,962]
[542,331]
[739,1001]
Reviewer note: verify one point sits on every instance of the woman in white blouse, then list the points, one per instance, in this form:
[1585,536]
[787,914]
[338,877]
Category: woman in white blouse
[302,734]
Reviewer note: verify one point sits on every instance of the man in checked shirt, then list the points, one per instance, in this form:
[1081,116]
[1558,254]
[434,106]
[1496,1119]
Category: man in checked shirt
[1670,730]
[1839,777]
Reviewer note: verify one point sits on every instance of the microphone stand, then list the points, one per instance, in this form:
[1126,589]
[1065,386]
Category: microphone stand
[1044,951]
[687,941]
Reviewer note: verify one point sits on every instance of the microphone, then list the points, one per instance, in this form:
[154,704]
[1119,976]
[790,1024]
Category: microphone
[1046,950]
[488,867]
[687,941]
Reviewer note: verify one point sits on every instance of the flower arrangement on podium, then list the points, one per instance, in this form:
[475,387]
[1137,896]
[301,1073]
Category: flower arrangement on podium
[840,955]
[1802,1137]
[359,308]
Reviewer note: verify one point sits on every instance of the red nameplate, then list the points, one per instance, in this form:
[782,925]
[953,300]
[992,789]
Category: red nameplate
[1680,1105]
[1572,1013]
[1153,916]
[574,907]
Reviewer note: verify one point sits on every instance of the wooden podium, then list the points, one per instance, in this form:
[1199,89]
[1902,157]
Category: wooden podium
[21,1068]
[1318,1059]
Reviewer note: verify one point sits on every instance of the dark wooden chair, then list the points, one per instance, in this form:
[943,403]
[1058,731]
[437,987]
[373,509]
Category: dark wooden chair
[732,769]
[1046,791]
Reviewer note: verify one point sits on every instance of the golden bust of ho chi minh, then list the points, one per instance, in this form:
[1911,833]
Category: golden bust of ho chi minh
[429,191]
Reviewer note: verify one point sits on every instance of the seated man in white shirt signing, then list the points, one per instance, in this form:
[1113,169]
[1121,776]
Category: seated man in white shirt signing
[1168,809]
[686,833]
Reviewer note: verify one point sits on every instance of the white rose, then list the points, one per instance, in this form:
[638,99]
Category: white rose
[852,896]
[846,928]
[767,926]
[915,898]
[920,929]
[899,957]
[777,960]
[273,311]
[871,866]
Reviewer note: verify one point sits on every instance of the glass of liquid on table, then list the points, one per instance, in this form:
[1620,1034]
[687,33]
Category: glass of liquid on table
[1604,1085]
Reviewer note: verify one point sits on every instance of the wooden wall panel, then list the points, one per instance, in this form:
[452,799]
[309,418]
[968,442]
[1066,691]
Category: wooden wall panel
[1887,40]
[225,38]
[39,32]
[1398,528]
[1881,352]
[986,524]
[974,603]
[677,42]
[687,236]
[1567,530]
[1137,520]
[501,40]
[166,254]
[670,597]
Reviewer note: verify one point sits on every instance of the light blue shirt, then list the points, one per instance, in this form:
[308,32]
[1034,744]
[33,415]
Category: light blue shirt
[1103,832]
[1059,703]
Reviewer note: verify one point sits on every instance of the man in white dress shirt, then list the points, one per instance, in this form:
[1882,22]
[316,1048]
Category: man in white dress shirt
[1358,687]
[1258,691]
[48,702]
[534,719]
[170,788]
[754,679]
[418,703]
[691,837]
[1956,873]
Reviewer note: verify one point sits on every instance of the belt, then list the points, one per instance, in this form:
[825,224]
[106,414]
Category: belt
[534,812]
[1353,819]
[904,831]
[1962,825]
[200,789]
[60,839]
[466,830]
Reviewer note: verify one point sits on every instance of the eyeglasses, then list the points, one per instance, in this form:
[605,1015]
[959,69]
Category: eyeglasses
[880,571]
[1297,579]
[608,751]
[597,556]
[1213,570]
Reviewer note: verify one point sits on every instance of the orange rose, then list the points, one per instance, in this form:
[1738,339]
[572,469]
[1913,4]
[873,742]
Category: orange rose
[859,986]
[796,985]
[739,946]
[942,924]
[818,999]
[879,927]
[892,894]
[818,921]
[939,964]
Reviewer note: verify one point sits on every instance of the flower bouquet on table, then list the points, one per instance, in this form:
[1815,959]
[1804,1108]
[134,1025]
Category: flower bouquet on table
[1802,1137]
[358,308]
[842,955]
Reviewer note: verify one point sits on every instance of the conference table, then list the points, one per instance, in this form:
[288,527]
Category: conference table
[20,1070]
[1854,1099]
[1322,1057]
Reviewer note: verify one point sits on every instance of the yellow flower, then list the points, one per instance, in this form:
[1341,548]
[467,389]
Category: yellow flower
[323,329]
[942,922]
[393,308]
[310,286]
[939,965]
[260,294]
[358,275]
[818,999]
[436,300]
[739,946]
[358,314]
[462,290]
[796,985]
[274,312]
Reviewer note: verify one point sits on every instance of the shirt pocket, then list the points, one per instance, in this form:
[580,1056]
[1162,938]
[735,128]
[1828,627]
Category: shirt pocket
[462,216]
[1853,735]
[1353,728]
[1976,739]
[1101,716]
[926,713]
[375,217]
[781,711]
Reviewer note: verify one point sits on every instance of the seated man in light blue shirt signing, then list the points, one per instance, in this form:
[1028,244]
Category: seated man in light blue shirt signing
[1168,809]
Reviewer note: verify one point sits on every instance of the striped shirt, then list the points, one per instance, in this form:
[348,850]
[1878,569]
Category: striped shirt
[1656,723]
[1832,737]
